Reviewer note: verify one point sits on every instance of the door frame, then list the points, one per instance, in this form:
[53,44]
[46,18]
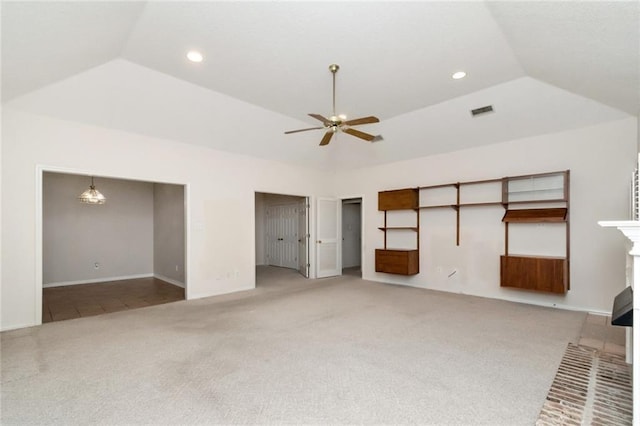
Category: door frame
[39,228]
[363,258]
[310,203]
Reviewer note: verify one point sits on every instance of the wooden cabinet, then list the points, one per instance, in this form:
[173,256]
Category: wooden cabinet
[401,262]
[399,199]
[538,273]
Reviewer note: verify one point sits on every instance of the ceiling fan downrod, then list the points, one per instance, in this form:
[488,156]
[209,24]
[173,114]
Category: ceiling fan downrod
[334,69]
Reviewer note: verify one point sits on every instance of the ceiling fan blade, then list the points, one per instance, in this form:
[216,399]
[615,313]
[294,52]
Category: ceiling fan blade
[325,121]
[363,120]
[327,138]
[302,130]
[359,134]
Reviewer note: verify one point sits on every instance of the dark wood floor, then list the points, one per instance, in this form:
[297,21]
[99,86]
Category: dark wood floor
[75,301]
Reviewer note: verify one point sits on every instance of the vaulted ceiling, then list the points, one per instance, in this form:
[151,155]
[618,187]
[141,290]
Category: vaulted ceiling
[545,66]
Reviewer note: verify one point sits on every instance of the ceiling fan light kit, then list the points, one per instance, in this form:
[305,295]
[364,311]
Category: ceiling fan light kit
[338,122]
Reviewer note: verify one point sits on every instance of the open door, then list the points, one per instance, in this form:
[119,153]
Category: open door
[328,249]
[351,219]
[303,238]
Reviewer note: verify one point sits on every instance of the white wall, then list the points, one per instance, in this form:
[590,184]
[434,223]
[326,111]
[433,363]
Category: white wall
[601,159]
[168,233]
[118,235]
[220,200]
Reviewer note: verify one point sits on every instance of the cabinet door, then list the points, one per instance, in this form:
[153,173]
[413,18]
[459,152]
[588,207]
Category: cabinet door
[400,262]
[546,274]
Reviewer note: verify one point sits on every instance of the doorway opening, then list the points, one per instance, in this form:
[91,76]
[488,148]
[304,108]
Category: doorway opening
[352,237]
[125,254]
[282,237]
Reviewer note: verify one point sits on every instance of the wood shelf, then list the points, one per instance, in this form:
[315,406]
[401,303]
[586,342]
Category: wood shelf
[451,206]
[456,206]
[535,215]
[549,201]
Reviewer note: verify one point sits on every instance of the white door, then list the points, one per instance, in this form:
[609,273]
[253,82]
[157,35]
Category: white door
[289,235]
[303,237]
[273,252]
[282,235]
[328,253]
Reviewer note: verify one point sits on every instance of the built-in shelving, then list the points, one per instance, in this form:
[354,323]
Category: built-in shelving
[535,198]
[396,260]
[457,187]
[540,272]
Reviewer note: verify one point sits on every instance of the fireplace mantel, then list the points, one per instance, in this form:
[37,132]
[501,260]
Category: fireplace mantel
[631,229]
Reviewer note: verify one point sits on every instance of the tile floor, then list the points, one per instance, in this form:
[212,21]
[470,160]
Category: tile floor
[75,301]
[598,333]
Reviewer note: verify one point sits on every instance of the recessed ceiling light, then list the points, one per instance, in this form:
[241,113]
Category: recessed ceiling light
[195,56]
[458,75]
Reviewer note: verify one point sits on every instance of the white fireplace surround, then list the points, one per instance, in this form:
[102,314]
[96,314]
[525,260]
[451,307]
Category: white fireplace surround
[631,229]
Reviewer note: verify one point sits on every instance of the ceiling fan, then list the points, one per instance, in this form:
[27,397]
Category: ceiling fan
[337,123]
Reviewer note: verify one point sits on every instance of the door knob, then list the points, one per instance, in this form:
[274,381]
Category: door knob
[319,241]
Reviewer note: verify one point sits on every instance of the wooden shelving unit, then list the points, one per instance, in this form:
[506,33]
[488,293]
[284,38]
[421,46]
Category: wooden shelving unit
[538,273]
[458,205]
[394,260]
[534,198]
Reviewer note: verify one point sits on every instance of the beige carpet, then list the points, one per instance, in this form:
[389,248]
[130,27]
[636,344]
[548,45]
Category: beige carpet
[293,351]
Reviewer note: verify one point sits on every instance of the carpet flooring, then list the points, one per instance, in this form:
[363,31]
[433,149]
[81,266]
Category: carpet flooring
[293,351]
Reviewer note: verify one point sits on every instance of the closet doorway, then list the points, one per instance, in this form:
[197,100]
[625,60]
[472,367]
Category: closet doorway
[352,236]
[282,232]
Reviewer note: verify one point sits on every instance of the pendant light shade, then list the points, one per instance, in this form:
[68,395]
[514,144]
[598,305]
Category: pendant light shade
[92,195]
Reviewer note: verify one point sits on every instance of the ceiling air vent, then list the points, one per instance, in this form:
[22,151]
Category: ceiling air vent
[482,110]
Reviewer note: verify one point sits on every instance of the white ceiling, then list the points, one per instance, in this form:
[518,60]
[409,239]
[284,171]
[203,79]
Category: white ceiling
[396,58]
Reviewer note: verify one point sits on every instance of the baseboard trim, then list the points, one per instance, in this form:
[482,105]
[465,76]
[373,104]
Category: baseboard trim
[16,327]
[97,280]
[225,293]
[546,304]
[169,280]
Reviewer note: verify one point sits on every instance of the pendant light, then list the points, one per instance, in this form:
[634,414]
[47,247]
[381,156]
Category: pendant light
[92,195]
